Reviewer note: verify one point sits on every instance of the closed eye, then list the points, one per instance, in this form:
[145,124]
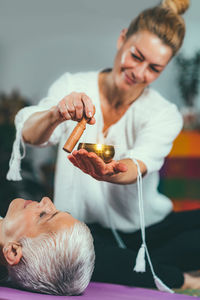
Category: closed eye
[136,57]
[42,214]
[154,69]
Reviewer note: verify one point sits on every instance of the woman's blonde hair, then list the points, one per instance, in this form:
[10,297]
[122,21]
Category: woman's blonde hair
[164,21]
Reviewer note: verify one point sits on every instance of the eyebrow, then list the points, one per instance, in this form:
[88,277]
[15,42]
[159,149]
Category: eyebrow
[56,213]
[140,53]
[52,216]
[157,65]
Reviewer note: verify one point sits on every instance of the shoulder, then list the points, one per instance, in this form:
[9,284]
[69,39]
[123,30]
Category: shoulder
[76,77]
[154,113]
[155,101]
[82,75]
[83,81]
[69,82]
[156,106]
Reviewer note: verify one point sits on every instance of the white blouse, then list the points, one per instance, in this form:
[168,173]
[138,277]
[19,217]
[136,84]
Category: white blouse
[145,132]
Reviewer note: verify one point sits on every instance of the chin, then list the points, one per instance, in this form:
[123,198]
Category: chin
[16,204]
[124,86]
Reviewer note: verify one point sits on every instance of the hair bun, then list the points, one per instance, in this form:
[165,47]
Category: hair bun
[178,6]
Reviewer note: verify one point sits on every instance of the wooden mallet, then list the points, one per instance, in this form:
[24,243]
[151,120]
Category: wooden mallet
[76,134]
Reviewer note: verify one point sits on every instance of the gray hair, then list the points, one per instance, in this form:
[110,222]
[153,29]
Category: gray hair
[59,263]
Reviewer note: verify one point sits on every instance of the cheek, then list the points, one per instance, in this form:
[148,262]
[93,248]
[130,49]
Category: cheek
[126,59]
[151,76]
[13,228]
[121,60]
[19,227]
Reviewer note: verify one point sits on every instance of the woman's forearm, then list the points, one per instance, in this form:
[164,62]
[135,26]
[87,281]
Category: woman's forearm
[120,172]
[130,176]
[39,126]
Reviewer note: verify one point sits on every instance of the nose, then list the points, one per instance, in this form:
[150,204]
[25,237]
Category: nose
[46,203]
[139,72]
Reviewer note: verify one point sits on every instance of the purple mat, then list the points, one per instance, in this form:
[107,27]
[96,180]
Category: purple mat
[97,291]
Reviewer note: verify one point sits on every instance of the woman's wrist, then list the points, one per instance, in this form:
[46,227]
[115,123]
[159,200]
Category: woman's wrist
[55,116]
[39,126]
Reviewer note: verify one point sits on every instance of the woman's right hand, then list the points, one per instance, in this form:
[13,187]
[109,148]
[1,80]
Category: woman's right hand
[76,105]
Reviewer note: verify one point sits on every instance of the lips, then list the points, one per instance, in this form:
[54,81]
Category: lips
[27,202]
[129,80]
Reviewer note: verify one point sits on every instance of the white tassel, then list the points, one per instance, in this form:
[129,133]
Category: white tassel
[15,160]
[140,260]
[161,286]
[14,170]
[140,265]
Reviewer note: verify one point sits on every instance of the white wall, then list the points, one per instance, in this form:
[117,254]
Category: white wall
[41,39]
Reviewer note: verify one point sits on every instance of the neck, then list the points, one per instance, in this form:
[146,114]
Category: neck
[117,98]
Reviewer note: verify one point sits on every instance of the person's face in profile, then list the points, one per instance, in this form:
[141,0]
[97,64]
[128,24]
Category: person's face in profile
[26,218]
[140,60]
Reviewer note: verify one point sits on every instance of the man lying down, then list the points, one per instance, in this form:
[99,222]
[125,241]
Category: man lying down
[45,250]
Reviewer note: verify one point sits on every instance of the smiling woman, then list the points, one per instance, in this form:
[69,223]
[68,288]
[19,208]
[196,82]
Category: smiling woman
[44,249]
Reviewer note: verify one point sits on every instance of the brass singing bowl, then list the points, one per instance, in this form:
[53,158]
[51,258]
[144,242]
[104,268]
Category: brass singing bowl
[106,152]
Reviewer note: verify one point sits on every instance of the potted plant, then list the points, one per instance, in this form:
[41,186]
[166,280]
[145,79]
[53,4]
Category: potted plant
[188,82]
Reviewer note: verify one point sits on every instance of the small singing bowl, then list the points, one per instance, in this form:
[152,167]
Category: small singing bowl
[106,152]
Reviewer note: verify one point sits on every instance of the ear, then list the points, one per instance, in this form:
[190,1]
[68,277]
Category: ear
[12,253]
[121,38]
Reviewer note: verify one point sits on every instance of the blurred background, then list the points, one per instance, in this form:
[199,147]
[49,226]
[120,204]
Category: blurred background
[42,39]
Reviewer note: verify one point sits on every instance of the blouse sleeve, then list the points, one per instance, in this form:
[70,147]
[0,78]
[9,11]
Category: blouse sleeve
[154,140]
[56,92]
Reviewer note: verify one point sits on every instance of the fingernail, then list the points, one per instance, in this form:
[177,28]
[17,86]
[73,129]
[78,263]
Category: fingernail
[89,114]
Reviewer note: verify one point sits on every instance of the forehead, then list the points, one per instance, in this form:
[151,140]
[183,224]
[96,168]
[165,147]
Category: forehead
[151,47]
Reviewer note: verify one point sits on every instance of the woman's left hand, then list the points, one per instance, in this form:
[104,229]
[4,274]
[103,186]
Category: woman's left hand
[92,164]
